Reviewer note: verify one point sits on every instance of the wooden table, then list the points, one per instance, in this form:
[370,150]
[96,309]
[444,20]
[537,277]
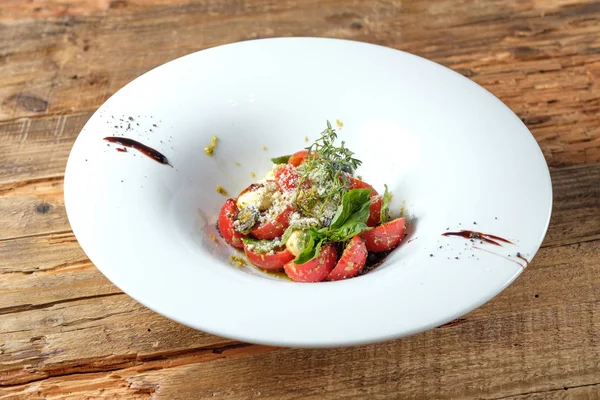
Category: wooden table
[67,333]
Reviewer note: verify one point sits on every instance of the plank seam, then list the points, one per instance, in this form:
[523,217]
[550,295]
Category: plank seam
[29,307]
[564,388]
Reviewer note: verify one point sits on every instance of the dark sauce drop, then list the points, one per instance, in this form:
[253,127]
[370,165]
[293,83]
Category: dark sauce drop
[142,148]
[484,237]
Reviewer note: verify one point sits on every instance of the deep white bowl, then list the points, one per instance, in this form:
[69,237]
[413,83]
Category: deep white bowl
[454,156]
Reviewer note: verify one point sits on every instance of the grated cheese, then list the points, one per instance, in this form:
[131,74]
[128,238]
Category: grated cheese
[272,202]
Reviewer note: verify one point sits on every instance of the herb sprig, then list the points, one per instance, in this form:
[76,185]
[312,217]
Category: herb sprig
[333,160]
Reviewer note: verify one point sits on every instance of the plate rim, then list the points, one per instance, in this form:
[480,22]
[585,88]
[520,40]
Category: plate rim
[311,343]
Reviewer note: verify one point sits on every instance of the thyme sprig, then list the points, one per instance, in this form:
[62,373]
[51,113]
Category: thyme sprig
[333,161]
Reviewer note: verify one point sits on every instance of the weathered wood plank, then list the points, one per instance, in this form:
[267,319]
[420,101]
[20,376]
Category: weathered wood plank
[12,10]
[97,334]
[512,343]
[541,58]
[37,148]
[32,208]
[576,205]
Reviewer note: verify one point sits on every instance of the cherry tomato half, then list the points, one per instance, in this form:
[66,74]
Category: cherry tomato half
[316,269]
[353,259]
[298,158]
[288,177]
[356,183]
[270,262]
[386,236]
[225,223]
[374,211]
[271,230]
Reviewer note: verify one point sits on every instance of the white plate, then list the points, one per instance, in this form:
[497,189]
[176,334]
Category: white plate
[451,152]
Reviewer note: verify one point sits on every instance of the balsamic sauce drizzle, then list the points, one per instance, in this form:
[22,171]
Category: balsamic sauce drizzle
[142,148]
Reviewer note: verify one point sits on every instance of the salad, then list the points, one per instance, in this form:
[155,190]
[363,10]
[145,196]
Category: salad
[311,217]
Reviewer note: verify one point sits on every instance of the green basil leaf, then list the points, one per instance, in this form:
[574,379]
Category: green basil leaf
[281,160]
[312,240]
[384,214]
[307,254]
[353,210]
[347,232]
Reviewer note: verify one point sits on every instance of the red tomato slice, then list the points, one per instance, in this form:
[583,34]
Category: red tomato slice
[298,158]
[375,211]
[386,236]
[271,230]
[287,177]
[225,224]
[352,260]
[356,183]
[270,262]
[316,269]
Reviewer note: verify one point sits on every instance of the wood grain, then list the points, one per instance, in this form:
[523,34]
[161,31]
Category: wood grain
[37,148]
[67,333]
[32,207]
[576,205]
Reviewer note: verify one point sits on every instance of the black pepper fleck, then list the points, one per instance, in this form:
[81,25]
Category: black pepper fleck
[431,255]
[537,295]
[131,118]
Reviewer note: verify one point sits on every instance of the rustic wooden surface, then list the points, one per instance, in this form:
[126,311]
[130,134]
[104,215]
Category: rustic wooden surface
[68,333]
